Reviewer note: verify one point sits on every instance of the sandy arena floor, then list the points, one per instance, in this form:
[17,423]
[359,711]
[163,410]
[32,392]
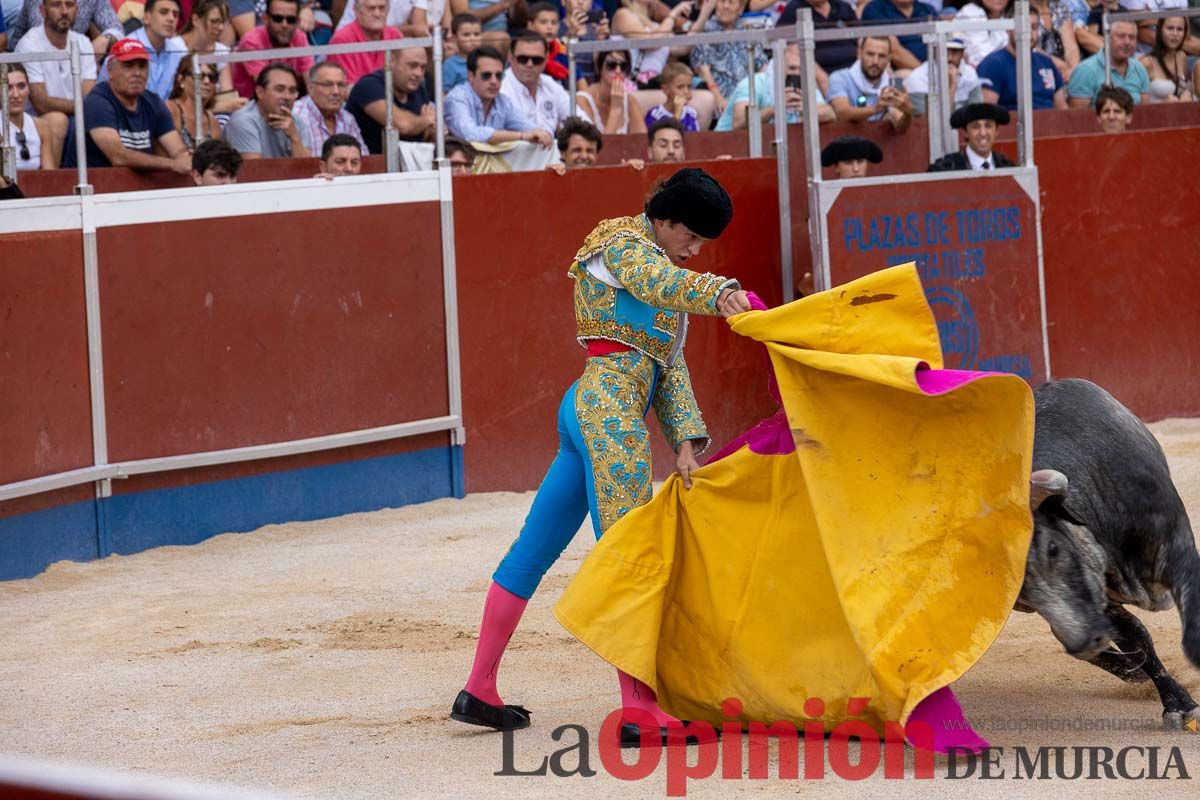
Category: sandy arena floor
[320,659]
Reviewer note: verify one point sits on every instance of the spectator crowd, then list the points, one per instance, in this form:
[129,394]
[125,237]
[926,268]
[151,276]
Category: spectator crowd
[505,76]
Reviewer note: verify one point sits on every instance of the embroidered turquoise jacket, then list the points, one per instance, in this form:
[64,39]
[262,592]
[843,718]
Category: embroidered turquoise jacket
[628,291]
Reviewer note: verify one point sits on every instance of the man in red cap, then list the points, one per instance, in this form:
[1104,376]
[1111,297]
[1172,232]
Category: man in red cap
[128,126]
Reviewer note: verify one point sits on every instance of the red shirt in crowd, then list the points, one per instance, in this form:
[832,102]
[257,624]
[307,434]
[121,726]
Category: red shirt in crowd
[359,64]
[245,73]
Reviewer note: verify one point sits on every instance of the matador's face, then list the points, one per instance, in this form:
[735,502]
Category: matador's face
[678,241]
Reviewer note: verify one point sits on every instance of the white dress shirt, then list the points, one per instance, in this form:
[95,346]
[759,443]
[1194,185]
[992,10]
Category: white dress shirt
[978,162]
[548,110]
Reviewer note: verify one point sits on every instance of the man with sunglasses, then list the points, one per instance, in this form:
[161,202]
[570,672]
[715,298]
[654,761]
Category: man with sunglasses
[160,20]
[477,112]
[537,96]
[279,29]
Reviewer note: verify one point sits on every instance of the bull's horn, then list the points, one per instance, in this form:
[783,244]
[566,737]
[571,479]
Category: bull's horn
[1043,483]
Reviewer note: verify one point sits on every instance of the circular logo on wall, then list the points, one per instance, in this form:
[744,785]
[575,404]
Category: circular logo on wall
[956,326]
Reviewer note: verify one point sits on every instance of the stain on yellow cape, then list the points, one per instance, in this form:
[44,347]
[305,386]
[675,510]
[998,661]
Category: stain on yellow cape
[879,560]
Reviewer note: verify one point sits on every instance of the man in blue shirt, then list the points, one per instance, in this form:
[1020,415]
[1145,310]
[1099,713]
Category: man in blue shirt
[1127,72]
[865,91]
[907,51]
[477,112]
[414,115]
[999,74]
[125,124]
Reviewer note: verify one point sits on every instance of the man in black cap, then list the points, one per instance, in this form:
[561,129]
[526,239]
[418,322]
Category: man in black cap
[848,155]
[632,301]
[980,122]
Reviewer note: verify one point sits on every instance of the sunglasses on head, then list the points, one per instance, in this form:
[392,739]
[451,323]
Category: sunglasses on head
[536,61]
[619,66]
[290,19]
[487,76]
[23,144]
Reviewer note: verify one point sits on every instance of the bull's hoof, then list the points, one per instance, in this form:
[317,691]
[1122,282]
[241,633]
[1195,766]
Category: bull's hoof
[1185,721]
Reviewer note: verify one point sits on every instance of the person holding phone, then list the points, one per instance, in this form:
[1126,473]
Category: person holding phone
[866,90]
[586,25]
[737,113]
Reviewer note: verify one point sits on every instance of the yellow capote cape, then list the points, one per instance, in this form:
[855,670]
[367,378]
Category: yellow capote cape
[879,560]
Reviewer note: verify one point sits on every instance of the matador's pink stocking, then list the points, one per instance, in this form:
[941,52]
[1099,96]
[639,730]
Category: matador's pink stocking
[635,694]
[942,713]
[501,612]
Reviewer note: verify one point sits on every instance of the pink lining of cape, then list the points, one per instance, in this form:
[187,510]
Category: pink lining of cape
[773,436]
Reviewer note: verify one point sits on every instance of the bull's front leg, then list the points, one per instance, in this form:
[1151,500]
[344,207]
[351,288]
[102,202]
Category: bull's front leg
[1126,667]
[1179,709]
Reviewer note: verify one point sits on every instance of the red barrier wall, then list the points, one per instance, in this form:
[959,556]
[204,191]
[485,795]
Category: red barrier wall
[516,235]
[45,425]
[1121,232]
[312,323]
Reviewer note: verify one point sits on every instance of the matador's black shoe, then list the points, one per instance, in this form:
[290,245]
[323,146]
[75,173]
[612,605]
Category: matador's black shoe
[631,735]
[470,709]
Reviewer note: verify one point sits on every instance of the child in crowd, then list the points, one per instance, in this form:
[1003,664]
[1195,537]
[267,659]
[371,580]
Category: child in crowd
[467,32]
[544,19]
[676,84]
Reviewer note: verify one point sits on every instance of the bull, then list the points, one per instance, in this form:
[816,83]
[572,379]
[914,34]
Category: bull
[1110,530]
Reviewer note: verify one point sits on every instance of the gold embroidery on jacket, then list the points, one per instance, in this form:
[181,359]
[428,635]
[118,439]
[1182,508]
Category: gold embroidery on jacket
[644,270]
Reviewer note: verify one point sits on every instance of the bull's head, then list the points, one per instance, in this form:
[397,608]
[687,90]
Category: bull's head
[1064,574]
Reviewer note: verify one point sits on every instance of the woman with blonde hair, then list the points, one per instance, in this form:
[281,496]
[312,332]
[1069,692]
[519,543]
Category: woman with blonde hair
[183,103]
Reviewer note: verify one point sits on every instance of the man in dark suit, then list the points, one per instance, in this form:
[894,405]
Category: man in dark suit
[980,122]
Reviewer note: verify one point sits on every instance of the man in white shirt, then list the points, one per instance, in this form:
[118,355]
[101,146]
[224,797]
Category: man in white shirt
[965,85]
[50,84]
[400,13]
[980,122]
[535,94]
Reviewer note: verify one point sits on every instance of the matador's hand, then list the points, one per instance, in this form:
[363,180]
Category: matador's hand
[732,302]
[685,463]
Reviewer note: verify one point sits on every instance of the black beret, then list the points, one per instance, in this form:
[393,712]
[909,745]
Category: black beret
[974,111]
[850,148]
[694,198]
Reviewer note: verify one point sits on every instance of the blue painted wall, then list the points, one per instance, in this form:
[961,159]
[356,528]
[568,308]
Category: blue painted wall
[130,523]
